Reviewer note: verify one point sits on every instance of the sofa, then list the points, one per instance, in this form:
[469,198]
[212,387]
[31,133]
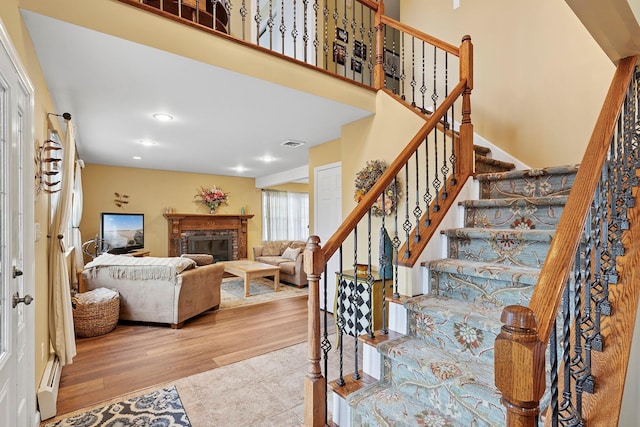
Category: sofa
[159,290]
[286,254]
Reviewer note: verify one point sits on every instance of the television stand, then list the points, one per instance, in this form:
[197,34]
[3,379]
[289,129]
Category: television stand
[139,253]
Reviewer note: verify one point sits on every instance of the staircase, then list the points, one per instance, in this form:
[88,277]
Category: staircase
[442,372]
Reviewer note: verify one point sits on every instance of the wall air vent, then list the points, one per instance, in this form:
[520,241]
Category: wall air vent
[292,144]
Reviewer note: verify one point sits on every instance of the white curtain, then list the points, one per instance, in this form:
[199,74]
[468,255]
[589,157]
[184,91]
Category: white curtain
[76,215]
[285,215]
[61,329]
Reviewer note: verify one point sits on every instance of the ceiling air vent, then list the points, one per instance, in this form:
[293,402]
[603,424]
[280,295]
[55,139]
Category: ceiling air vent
[292,144]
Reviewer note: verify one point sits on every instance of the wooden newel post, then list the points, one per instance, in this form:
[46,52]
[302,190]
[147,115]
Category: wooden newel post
[378,69]
[519,366]
[314,382]
[466,127]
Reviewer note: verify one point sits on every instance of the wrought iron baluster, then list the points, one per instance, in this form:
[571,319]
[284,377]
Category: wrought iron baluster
[427,195]
[355,302]
[370,276]
[305,30]
[325,346]
[383,263]
[406,226]
[316,41]
[294,30]
[243,14]
[325,45]
[270,24]
[585,325]
[413,82]
[403,76]
[341,324]
[370,47]
[599,274]
[445,169]
[566,410]
[578,367]
[452,158]
[258,19]
[384,61]
[417,212]
[396,241]
[423,88]
[283,27]
[228,7]
[553,356]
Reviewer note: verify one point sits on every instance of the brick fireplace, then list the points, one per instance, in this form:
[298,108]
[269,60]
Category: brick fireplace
[223,236]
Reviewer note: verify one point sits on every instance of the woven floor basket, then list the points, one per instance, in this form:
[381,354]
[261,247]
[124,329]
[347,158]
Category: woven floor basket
[95,312]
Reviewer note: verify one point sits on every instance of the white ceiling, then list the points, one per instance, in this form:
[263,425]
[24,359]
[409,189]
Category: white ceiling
[222,119]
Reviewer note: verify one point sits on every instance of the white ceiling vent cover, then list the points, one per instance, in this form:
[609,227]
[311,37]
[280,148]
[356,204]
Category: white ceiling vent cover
[292,144]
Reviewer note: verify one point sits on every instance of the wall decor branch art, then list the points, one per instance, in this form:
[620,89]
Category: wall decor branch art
[48,158]
[121,199]
[366,178]
[212,197]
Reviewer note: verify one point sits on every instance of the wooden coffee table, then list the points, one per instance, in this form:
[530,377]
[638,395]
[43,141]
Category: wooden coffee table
[250,269]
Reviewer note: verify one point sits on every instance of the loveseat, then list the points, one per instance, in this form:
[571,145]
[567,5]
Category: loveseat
[286,254]
[160,290]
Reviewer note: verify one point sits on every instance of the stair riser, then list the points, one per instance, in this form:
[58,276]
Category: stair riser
[508,248]
[528,216]
[555,184]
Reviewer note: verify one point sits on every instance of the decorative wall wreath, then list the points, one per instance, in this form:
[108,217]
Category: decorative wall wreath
[366,178]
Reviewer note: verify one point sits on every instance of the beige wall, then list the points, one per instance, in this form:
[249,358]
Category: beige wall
[153,191]
[19,36]
[540,79]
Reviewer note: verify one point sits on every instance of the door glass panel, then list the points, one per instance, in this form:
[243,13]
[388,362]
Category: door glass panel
[4,262]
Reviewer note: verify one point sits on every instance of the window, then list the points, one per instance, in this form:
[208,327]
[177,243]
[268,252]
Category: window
[285,215]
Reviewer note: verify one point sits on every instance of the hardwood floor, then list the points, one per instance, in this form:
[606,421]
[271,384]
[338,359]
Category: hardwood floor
[135,356]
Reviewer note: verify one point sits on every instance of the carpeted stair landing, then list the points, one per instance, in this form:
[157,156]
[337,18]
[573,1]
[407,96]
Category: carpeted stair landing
[441,373]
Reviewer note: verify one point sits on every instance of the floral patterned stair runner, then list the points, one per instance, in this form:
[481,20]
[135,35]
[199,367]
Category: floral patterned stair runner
[441,373]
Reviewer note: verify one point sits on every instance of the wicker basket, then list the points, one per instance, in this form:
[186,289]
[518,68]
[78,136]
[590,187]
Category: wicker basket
[95,312]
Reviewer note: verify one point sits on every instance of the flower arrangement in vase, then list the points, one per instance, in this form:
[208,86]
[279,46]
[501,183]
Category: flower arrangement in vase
[212,197]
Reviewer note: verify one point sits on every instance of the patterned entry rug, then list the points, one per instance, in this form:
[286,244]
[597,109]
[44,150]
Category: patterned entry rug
[232,292]
[159,408]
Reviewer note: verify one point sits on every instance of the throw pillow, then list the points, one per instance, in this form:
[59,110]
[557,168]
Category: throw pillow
[200,259]
[271,249]
[291,253]
[183,264]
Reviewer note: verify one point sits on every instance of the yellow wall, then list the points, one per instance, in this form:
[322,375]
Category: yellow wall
[153,191]
[19,36]
[539,77]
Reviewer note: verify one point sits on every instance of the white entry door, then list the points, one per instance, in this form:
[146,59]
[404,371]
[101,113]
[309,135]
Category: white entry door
[328,217]
[17,395]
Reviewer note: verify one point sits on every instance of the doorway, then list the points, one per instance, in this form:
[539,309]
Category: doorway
[17,370]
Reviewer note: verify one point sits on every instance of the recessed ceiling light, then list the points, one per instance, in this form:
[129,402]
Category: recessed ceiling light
[240,169]
[267,159]
[147,142]
[137,158]
[163,117]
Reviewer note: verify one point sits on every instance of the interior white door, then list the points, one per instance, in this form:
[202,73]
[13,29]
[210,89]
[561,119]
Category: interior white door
[17,397]
[327,219]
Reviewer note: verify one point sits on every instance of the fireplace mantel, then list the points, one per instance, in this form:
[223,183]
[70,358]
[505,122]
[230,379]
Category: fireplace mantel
[179,223]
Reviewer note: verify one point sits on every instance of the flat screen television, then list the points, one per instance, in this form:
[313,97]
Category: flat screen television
[122,232]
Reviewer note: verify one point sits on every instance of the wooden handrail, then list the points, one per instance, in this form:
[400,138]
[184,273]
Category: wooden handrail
[370,4]
[557,267]
[420,35]
[372,195]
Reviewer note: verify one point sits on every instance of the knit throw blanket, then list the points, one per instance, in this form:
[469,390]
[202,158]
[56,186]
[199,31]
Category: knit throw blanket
[138,268]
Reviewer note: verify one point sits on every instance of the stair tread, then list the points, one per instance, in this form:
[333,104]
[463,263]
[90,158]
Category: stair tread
[386,403]
[516,201]
[552,170]
[495,162]
[526,275]
[481,150]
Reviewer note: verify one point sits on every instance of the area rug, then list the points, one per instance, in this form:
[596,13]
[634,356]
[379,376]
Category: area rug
[261,289]
[159,408]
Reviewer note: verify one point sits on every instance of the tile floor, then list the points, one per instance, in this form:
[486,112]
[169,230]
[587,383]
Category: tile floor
[263,391]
